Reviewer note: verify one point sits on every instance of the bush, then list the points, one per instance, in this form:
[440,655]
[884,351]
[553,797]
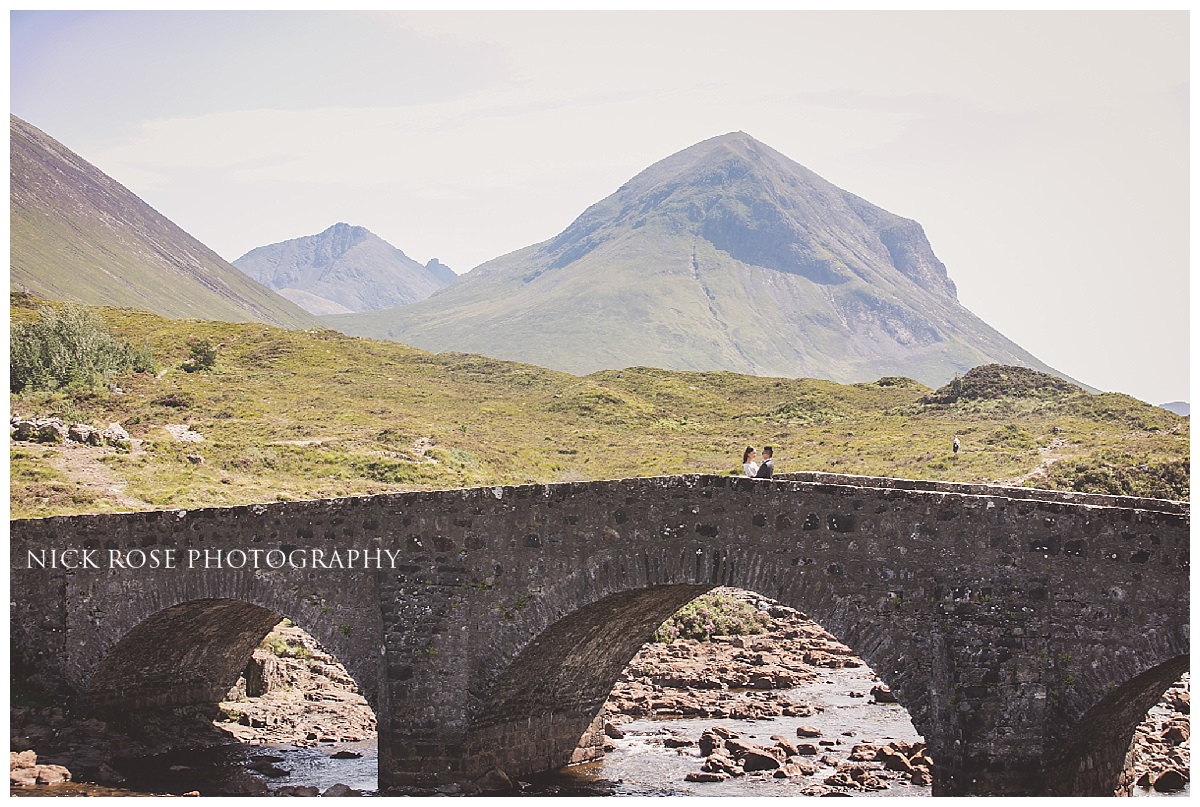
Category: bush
[995,381]
[712,614]
[69,347]
[203,356]
[1115,474]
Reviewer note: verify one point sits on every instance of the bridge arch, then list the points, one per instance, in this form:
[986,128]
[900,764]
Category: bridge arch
[190,653]
[1092,753]
[549,694]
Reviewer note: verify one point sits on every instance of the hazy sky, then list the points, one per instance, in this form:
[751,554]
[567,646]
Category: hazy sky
[1046,154]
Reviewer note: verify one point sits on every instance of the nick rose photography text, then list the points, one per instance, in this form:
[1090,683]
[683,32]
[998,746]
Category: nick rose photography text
[212,559]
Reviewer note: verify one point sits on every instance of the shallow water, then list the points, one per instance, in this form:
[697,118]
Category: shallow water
[638,766]
[208,770]
[641,766]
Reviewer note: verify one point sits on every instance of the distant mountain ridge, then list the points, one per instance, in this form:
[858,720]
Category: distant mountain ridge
[724,256]
[78,235]
[342,270]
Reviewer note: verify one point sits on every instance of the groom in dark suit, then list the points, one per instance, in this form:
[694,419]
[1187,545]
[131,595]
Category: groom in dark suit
[767,468]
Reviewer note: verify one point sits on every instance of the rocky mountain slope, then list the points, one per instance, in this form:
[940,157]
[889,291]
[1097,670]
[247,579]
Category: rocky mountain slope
[78,235]
[342,270]
[726,255]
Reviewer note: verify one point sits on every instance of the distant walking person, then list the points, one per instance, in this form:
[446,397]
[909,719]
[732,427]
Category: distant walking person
[956,444]
[749,466]
[767,468]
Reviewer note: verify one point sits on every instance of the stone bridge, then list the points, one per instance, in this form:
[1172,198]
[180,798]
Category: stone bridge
[1026,632]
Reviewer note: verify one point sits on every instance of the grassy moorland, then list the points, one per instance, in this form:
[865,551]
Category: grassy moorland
[288,415]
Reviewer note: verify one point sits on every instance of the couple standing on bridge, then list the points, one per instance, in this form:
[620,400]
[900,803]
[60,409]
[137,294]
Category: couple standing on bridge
[754,469]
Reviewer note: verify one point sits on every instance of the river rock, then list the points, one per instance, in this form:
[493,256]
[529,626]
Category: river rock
[297,790]
[864,752]
[293,691]
[340,790]
[495,781]
[788,748]
[1177,732]
[720,762]
[882,694]
[894,761]
[856,778]
[1170,781]
[705,776]
[24,770]
[794,769]
[54,774]
[243,784]
[756,758]
[108,775]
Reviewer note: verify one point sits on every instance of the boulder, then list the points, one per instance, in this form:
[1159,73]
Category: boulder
[22,777]
[243,784]
[710,741]
[83,433]
[116,436]
[52,774]
[613,732]
[882,694]
[108,775]
[705,776]
[864,752]
[1177,732]
[495,781]
[722,763]
[296,790]
[21,759]
[894,761]
[1170,781]
[50,430]
[339,790]
[785,745]
[794,769]
[807,731]
[758,759]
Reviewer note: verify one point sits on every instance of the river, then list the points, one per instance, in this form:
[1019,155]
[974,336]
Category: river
[639,764]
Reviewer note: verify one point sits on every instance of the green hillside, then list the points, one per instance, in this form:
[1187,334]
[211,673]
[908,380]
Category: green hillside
[79,235]
[305,414]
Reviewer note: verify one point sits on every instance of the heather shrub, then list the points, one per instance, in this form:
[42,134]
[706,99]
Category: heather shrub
[69,347]
[712,614]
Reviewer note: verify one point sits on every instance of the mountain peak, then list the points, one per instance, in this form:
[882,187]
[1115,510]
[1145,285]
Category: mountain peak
[726,255]
[762,209]
[343,269]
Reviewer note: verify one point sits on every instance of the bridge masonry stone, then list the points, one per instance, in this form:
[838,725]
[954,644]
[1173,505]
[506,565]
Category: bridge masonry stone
[1023,630]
